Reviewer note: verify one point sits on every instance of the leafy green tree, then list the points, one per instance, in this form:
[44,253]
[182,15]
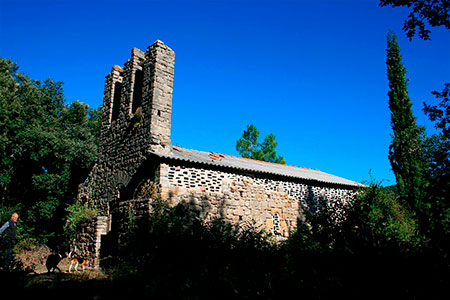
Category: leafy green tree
[438,151]
[440,114]
[376,219]
[406,152]
[248,146]
[437,146]
[46,149]
[435,12]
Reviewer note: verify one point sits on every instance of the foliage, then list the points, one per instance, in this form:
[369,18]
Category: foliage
[406,152]
[377,219]
[440,113]
[194,259]
[435,218]
[78,214]
[46,149]
[32,257]
[173,254]
[248,146]
[149,190]
[374,219]
[438,146]
[421,165]
[435,12]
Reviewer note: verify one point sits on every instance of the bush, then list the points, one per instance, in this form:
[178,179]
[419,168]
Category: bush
[377,219]
[78,214]
[31,257]
[175,255]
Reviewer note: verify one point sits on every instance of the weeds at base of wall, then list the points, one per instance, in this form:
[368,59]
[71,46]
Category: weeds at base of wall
[78,214]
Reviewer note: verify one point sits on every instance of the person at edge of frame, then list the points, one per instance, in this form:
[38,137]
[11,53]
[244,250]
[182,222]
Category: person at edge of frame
[9,233]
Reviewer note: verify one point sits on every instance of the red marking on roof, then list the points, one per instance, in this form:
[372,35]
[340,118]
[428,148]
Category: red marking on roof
[266,162]
[216,156]
[180,150]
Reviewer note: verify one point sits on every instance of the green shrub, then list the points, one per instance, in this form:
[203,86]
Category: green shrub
[377,219]
[78,214]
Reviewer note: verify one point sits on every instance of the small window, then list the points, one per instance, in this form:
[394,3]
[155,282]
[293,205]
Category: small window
[116,101]
[276,224]
[137,90]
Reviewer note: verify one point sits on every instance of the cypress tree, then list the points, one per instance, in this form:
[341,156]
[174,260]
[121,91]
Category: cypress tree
[406,152]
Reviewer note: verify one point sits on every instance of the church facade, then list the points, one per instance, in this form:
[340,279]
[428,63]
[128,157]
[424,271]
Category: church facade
[135,150]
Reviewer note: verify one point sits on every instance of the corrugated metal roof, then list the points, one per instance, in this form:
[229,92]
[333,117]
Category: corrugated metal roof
[256,166]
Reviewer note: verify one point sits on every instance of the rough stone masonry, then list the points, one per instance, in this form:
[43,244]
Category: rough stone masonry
[135,148]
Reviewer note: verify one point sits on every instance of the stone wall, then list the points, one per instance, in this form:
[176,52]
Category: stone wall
[127,135]
[136,117]
[158,86]
[245,199]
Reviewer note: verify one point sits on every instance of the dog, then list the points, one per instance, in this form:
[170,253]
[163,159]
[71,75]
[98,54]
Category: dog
[76,261]
[52,262]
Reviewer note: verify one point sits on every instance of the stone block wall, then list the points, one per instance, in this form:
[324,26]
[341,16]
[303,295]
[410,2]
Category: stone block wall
[136,117]
[275,204]
[158,86]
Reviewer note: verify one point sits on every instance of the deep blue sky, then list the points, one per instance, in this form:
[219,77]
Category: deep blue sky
[311,72]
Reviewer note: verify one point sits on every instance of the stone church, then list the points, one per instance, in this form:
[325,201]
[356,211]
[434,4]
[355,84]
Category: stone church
[135,148]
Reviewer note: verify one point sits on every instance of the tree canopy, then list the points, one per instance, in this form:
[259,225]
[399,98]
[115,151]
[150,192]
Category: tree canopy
[406,152]
[248,146]
[46,149]
[420,163]
[435,12]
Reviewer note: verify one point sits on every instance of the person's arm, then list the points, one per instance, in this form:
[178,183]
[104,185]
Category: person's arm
[6,225]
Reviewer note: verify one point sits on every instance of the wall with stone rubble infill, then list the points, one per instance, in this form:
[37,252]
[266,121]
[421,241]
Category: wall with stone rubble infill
[275,204]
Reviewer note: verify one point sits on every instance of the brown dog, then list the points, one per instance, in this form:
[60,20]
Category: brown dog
[76,261]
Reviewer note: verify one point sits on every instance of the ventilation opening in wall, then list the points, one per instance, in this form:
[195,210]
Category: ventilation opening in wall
[137,90]
[276,224]
[116,101]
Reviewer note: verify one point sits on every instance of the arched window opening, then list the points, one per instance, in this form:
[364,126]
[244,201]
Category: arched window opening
[276,224]
[116,101]
[137,90]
